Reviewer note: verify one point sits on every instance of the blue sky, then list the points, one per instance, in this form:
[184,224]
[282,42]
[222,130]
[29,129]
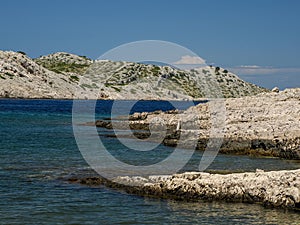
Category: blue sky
[259,39]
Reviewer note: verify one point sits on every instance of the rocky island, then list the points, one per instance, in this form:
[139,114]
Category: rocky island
[68,76]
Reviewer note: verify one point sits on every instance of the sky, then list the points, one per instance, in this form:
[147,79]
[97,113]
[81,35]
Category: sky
[257,39]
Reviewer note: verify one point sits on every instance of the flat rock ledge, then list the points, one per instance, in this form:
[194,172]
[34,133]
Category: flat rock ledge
[267,124]
[273,189]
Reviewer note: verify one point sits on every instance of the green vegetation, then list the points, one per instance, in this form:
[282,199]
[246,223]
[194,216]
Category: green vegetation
[86,86]
[74,78]
[94,85]
[61,67]
[10,75]
[133,91]
[21,52]
[217,69]
[155,70]
[85,57]
[205,71]
[117,89]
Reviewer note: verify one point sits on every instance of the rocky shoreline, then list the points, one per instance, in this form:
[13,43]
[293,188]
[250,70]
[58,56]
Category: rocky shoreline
[267,124]
[274,188]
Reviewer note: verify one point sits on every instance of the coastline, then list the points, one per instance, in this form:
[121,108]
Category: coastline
[109,99]
[262,125]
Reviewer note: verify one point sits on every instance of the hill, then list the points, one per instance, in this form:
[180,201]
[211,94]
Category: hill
[66,76]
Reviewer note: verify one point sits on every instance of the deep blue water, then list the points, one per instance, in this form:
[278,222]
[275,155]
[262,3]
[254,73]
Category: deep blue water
[38,150]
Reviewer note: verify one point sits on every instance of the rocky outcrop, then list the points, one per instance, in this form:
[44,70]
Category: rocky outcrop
[64,75]
[21,77]
[275,188]
[267,124]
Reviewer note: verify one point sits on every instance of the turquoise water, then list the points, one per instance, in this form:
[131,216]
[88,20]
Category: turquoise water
[38,151]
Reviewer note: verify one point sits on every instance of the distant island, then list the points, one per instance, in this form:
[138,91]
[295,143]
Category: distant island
[68,76]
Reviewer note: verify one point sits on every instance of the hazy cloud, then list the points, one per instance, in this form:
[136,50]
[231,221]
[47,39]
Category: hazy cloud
[254,70]
[190,60]
[250,66]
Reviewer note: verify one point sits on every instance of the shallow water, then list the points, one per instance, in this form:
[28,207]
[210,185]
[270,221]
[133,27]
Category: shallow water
[38,150]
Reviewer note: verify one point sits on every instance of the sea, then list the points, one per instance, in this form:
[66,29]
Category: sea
[38,152]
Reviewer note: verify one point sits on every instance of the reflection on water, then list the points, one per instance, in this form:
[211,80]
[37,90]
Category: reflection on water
[233,213]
